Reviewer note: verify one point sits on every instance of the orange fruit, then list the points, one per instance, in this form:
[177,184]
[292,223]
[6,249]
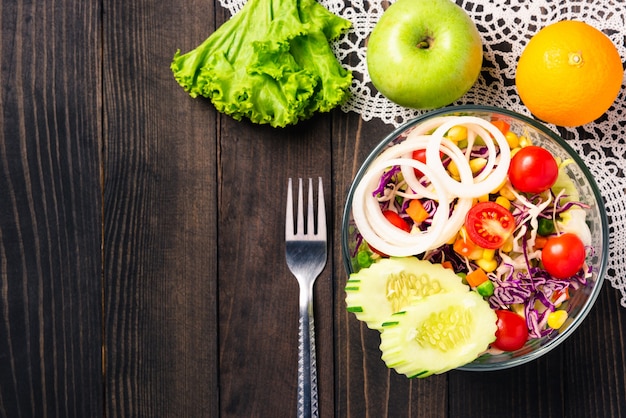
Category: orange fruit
[569,74]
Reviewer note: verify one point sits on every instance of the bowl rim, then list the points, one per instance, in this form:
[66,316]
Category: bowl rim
[600,277]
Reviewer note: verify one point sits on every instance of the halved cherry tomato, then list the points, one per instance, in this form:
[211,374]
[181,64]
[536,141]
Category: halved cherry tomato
[563,255]
[489,224]
[512,331]
[533,170]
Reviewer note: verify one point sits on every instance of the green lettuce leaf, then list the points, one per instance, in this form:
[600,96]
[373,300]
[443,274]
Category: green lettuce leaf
[271,63]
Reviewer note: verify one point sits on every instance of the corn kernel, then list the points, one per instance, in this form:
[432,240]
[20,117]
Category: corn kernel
[504,202]
[524,141]
[556,319]
[454,170]
[457,133]
[512,139]
[505,191]
[507,247]
[483,198]
[487,265]
[477,164]
[476,254]
[515,151]
[494,191]
[489,254]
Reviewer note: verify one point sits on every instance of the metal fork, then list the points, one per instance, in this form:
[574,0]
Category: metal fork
[305,251]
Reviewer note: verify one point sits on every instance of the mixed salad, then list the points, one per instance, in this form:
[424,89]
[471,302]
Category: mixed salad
[469,196]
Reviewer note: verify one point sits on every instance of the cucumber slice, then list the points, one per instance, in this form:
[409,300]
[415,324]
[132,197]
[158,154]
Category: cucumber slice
[391,284]
[565,183]
[437,334]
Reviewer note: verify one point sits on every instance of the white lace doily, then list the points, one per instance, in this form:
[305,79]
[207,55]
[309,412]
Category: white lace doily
[506,26]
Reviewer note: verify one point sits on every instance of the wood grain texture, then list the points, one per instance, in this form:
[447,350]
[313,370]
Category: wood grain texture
[365,387]
[50,210]
[258,296]
[142,266]
[160,216]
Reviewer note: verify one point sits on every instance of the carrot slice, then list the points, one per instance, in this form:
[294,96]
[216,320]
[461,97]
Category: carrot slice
[417,212]
[476,277]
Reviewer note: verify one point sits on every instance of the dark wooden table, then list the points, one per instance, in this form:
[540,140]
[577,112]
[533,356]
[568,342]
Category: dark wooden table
[142,268]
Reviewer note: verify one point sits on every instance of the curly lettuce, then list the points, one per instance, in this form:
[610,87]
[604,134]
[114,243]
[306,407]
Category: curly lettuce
[271,63]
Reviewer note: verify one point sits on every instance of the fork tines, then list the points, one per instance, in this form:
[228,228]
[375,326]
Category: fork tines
[300,231]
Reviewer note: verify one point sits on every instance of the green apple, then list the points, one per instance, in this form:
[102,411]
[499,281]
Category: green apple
[424,54]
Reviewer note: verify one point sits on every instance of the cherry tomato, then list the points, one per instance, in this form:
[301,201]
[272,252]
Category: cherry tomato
[533,170]
[420,155]
[397,221]
[563,255]
[512,331]
[489,224]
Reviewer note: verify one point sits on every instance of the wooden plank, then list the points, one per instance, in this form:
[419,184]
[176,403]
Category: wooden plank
[258,374]
[50,210]
[531,390]
[160,222]
[365,386]
[595,372]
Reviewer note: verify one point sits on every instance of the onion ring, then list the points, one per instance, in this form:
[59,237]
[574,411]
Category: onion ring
[492,179]
[404,244]
[384,236]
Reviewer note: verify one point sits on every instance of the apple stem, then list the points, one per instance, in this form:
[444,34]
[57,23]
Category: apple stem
[424,44]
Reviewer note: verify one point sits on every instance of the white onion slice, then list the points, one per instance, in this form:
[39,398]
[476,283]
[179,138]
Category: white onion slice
[463,205]
[451,150]
[387,238]
[404,149]
[379,232]
[487,183]
[446,146]
[455,221]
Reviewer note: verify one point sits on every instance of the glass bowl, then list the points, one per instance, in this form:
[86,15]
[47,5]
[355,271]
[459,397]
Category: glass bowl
[582,299]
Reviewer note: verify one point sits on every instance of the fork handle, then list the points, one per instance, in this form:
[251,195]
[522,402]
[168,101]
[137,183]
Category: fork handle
[307,365]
